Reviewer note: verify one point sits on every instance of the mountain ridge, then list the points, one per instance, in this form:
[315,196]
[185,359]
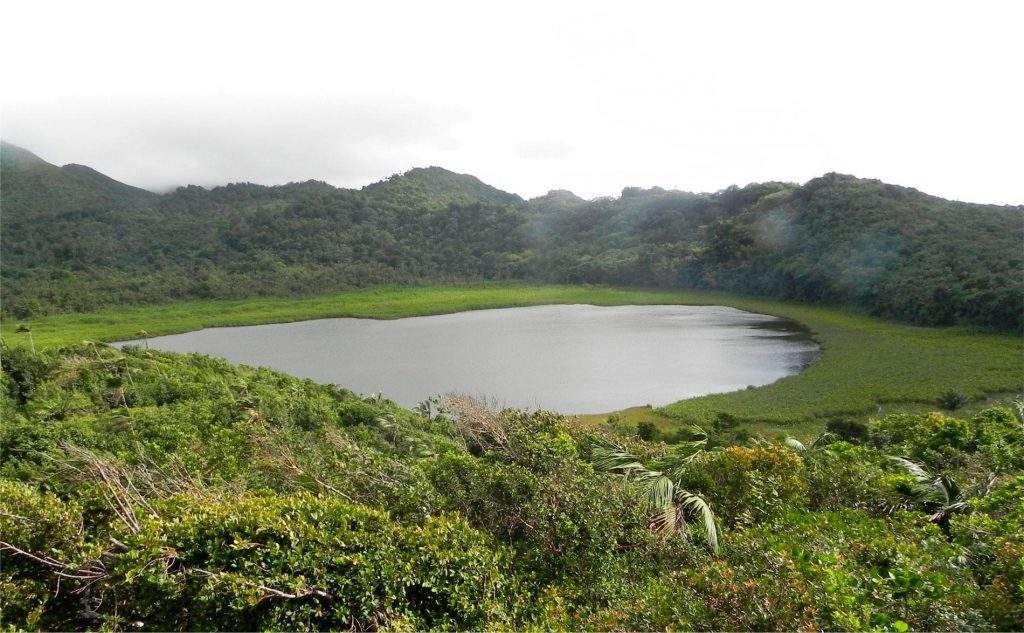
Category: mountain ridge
[75,239]
[416,172]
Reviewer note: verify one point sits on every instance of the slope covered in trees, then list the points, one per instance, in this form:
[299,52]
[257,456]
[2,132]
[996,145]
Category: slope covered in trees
[151,491]
[75,240]
[837,239]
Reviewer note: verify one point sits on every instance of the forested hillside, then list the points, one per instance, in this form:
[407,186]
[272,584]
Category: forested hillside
[142,490]
[75,240]
[891,250]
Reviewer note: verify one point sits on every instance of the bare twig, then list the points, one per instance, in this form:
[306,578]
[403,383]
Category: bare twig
[270,592]
[93,570]
[479,425]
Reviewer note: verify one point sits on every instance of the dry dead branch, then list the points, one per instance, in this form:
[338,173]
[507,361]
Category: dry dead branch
[92,570]
[480,426]
[127,489]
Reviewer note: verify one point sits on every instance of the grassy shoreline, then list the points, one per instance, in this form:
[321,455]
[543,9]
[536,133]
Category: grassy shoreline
[866,362]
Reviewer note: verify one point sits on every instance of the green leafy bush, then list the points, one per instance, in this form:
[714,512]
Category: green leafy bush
[647,431]
[746,486]
[852,476]
[40,537]
[140,489]
[952,399]
[993,537]
[834,571]
[992,437]
[305,562]
[850,430]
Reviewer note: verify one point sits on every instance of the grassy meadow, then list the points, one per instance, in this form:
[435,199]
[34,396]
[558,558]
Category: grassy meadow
[866,363]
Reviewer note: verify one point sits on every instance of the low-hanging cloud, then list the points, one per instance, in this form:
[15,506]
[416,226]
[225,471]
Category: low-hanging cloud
[162,143]
[586,95]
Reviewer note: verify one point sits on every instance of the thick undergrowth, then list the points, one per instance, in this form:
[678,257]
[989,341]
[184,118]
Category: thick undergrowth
[151,491]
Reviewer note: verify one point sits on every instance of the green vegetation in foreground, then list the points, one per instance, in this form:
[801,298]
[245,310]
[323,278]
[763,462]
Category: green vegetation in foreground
[865,362]
[149,491]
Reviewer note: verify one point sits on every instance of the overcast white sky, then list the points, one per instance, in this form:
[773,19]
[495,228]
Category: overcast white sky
[586,96]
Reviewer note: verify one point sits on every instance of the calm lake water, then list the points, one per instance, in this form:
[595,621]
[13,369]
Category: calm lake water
[569,358]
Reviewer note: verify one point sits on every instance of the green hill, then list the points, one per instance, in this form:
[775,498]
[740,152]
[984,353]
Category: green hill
[892,251]
[554,201]
[435,187]
[75,240]
[30,184]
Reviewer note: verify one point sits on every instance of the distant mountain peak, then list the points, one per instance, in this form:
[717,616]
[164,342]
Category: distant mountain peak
[555,200]
[16,157]
[55,190]
[439,187]
[433,169]
[561,194]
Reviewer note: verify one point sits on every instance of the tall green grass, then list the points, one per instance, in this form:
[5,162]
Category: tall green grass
[866,362]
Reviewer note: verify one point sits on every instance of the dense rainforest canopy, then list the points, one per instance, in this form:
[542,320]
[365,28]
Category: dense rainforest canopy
[75,240]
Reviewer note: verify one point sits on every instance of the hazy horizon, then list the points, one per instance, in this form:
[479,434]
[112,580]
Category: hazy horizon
[583,97]
[358,186]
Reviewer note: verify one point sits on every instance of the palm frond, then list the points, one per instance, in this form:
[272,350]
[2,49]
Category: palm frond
[818,444]
[913,468]
[660,492]
[612,458]
[699,435]
[928,490]
[669,505]
[696,504]
[794,444]
[664,520]
[948,488]
[824,439]
[939,495]
[677,469]
[682,455]
[684,450]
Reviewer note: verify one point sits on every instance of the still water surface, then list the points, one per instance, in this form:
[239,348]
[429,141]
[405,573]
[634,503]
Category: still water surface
[570,358]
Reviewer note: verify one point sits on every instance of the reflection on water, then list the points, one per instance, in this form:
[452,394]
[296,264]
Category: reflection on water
[570,358]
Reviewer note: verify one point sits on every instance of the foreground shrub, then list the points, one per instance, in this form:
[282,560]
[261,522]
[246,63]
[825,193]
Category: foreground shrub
[145,490]
[25,371]
[993,537]
[994,436]
[848,476]
[40,536]
[304,562]
[828,570]
[745,486]
[569,525]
